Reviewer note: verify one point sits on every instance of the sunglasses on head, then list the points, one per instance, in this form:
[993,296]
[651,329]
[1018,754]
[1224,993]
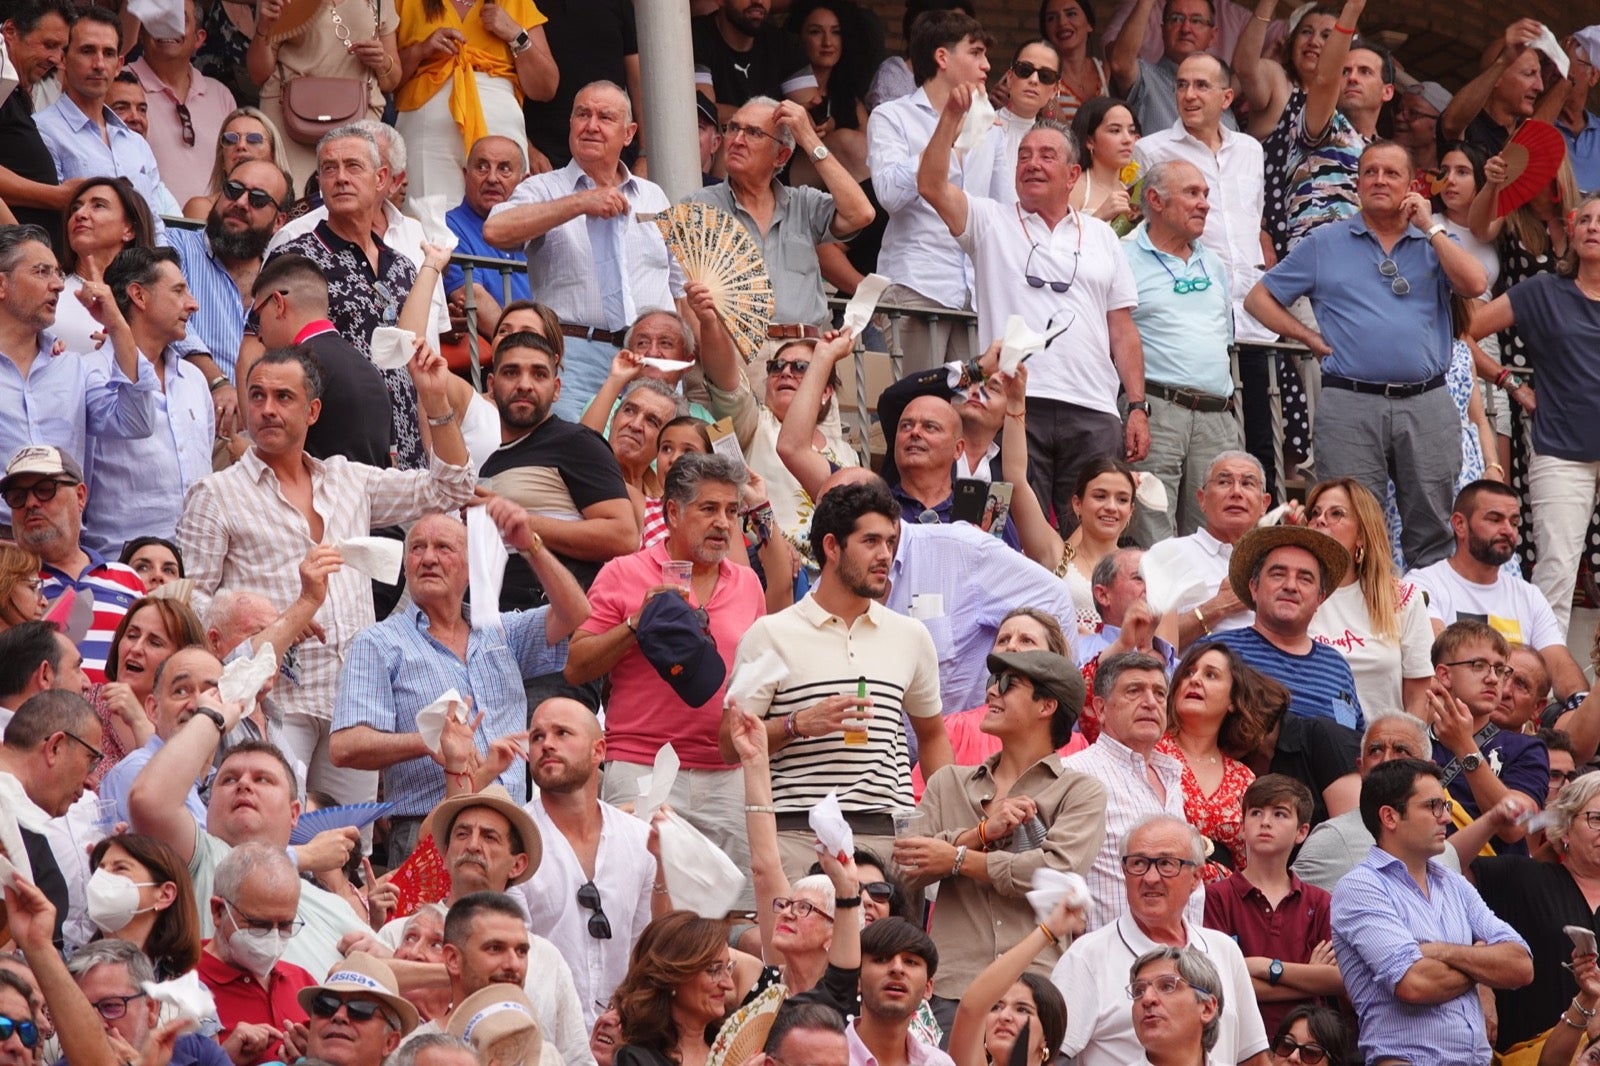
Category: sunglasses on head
[233,137]
[258,198]
[327,1004]
[26,1031]
[1024,70]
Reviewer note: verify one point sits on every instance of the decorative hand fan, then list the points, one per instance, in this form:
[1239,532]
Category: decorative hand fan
[1533,155]
[716,250]
[745,1031]
[295,17]
[350,816]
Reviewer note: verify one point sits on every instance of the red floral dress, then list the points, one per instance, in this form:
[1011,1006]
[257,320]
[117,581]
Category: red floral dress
[1217,816]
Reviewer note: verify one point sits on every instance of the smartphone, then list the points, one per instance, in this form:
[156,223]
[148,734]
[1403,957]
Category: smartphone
[819,112]
[970,496]
[1582,938]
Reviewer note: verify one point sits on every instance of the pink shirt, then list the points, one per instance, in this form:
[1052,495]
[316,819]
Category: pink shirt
[185,169]
[643,711]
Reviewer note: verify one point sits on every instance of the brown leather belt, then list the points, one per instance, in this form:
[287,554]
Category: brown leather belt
[790,331]
[604,336]
[1189,399]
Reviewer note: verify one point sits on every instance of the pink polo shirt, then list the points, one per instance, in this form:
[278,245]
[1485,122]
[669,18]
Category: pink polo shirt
[643,711]
[185,169]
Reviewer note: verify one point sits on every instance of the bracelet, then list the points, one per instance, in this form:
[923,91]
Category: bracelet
[983,839]
[1201,618]
[1055,941]
[961,857]
[218,382]
[1576,1025]
[1494,466]
[760,808]
[1590,1013]
[631,627]
[443,420]
[660,890]
[847,902]
[1500,379]
[1258,18]
[463,778]
[1348,31]
[1571,703]
[791,727]
[1018,415]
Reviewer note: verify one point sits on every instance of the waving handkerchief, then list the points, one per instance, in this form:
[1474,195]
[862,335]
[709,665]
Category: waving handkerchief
[666,366]
[377,557]
[430,212]
[1273,517]
[1547,45]
[699,876]
[187,997]
[656,786]
[486,568]
[1152,492]
[1168,578]
[858,312]
[430,720]
[392,347]
[765,672]
[827,821]
[1017,342]
[163,19]
[1051,887]
[979,121]
[243,678]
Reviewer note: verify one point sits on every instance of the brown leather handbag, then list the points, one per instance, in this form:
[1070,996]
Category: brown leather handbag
[314,106]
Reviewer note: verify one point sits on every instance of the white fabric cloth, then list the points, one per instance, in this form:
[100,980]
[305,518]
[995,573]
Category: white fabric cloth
[992,169]
[1511,605]
[1378,665]
[435,152]
[1207,556]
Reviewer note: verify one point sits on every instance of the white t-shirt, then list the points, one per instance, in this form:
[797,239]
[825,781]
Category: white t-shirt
[1378,665]
[1514,607]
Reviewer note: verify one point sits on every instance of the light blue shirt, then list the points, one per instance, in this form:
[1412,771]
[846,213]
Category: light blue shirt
[1380,920]
[1376,335]
[81,151]
[119,780]
[217,327]
[1583,150]
[395,668]
[66,397]
[136,487]
[1185,335]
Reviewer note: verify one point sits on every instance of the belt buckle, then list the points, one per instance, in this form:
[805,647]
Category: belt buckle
[1394,390]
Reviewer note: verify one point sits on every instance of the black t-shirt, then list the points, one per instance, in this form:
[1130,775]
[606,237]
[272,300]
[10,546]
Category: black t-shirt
[23,152]
[1485,134]
[556,470]
[1316,752]
[357,419]
[589,40]
[1536,899]
[775,57]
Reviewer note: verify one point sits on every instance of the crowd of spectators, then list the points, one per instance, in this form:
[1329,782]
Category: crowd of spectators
[1236,480]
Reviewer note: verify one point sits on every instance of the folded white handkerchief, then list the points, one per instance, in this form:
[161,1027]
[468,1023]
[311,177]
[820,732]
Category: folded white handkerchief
[1168,579]
[486,568]
[699,876]
[1051,887]
[431,212]
[763,674]
[430,720]
[377,557]
[666,366]
[858,312]
[827,821]
[1017,342]
[1152,492]
[1547,45]
[979,121]
[656,786]
[392,347]
[162,19]
[243,678]
[187,997]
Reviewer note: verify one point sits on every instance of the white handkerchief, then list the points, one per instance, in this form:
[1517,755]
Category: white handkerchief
[1152,492]
[430,720]
[1017,342]
[667,366]
[186,996]
[486,567]
[927,605]
[858,312]
[977,124]
[392,347]
[766,671]
[162,19]
[699,876]
[1050,887]
[431,211]
[827,821]
[1168,580]
[377,557]
[243,678]
[1273,517]
[1547,45]
[656,786]
[8,873]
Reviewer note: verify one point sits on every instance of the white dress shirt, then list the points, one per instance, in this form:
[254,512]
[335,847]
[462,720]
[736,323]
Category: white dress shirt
[1201,553]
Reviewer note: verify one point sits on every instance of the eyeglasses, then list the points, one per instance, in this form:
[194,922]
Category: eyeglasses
[327,1004]
[1310,1054]
[801,907]
[1329,514]
[43,272]
[1484,666]
[797,367]
[96,756]
[188,124]
[32,584]
[1166,866]
[16,497]
[1413,115]
[882,891]
[754,133]
[589,899]
[718,970]
[1566,777]
[1436,808]
[1037,282]
[1166,985]
[26,1031]
[1397,284]
[113,1007]
[259,198]
[1005,681]
[1249,482]
[1591,819]
[233,137]
[262,926]
[1184,286]
[1176,19]
[1025,70]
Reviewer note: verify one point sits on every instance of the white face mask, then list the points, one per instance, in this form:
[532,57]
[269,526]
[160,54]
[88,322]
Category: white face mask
[113,900]
[257,952]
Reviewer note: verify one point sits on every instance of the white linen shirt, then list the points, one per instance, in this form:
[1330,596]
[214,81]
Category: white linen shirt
[1238,196]
[561,263]
[1201,553]
[1006,244]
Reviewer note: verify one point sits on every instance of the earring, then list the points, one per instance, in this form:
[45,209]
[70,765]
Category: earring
[1360,554]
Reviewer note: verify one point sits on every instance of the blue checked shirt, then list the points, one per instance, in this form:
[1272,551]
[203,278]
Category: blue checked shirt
[395,668]
[217,328]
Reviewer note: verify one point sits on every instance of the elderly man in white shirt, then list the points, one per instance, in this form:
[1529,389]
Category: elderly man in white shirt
[1232,500]
[592,258]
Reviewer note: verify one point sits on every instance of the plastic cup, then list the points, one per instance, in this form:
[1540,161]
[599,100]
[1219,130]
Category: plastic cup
[909,822]
[677,574]
[855,732]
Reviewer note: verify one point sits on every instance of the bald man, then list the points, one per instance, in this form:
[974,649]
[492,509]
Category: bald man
[401,665]
[586,843]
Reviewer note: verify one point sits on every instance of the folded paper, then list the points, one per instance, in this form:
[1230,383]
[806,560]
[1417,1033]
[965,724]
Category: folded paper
[486,568]
[1053,887]
[392,347]
[377,557]
[242,679]
[833,832]
[699,876]
[1017,341]
[430,720]
[858,312]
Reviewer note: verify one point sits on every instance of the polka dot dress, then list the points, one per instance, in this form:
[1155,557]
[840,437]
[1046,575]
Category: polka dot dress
[1278,149]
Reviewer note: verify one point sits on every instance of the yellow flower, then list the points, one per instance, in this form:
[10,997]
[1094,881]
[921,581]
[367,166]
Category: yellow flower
[1128,174]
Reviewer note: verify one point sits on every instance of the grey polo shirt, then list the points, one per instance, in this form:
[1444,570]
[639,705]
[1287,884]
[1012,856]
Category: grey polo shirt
[800,221]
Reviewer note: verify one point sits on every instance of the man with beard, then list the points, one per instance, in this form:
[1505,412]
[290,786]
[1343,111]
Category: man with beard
[221,263]
[749,55]
[853,669]
[398,667]
[563,474]
[494,167]
[1473,583]
[592,845]
[647,708]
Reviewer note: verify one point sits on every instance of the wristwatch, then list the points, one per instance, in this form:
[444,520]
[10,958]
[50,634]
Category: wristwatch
[1471,762]
[215,716]
[1435,229]
[1275,972]
[519,43]
[1139,405]
[820,152]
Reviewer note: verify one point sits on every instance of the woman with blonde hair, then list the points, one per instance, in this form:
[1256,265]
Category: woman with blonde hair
[1378,622]
[20,598]
[246,134]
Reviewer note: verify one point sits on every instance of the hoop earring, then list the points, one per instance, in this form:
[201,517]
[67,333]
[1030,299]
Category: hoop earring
[1360,554]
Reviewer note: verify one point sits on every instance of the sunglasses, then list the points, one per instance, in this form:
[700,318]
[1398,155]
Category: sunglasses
[1310,1054]
[233,137]
[258,198]
[797,367]
[589,899]
[188,124]
[43,491]
[1005,681]
[327,1004]
[1391,270]
[882,891]
[1024,71]
[1037,282]
[26,1031]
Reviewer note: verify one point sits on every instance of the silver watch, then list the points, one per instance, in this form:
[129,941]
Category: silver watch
[820,152]
[1471,762]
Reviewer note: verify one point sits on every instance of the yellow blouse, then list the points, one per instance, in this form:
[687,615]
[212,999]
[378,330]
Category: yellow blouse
[482,52]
